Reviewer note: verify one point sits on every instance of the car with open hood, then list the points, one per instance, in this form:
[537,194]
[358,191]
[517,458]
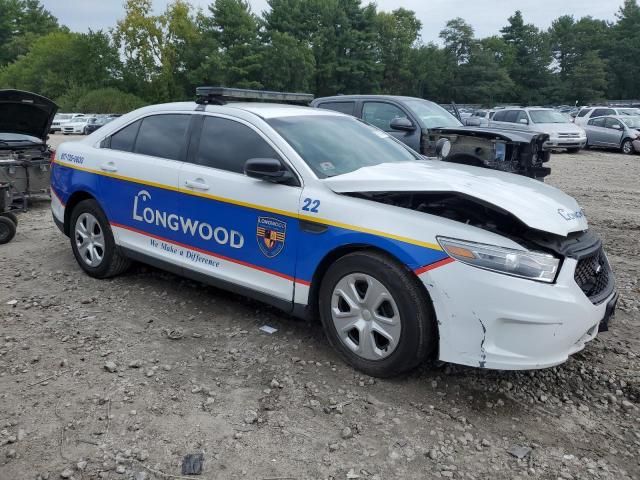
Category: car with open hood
[25,119]
[421,124]
[321,215]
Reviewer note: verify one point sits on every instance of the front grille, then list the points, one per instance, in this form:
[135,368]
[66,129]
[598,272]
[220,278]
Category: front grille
[568,135]
[594,277]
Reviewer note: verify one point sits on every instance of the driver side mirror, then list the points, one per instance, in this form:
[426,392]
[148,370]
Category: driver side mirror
[473,122]
[523,121]
[616,126]
[402,124]
[269,169]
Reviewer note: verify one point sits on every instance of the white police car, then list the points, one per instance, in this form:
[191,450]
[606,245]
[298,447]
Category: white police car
[314,211]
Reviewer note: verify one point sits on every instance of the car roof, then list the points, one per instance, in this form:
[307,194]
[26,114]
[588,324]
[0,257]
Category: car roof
[342,98]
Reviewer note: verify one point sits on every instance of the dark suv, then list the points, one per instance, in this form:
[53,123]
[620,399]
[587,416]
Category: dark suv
[420,124]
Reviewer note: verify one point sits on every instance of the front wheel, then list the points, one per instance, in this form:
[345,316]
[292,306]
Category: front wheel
[627,147]
[7,230]
[92,242]
[376,314]
[11,216]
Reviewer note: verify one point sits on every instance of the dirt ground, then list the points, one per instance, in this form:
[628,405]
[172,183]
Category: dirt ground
[92,384]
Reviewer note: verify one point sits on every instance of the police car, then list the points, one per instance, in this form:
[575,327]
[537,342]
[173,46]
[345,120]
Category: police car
[315,212]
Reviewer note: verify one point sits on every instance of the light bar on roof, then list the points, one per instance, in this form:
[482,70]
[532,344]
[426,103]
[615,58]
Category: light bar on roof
[224,94]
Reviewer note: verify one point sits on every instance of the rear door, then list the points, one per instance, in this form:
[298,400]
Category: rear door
[140,167]
[596,133]
[247,229]
[380,114]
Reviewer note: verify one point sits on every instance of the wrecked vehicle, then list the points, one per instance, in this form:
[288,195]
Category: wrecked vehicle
[421,124]
[318,213]
[25,119]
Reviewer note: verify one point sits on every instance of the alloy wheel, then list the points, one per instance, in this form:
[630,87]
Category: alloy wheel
[89,239]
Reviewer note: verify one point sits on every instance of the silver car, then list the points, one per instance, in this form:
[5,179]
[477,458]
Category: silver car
[562,132]
[614,131]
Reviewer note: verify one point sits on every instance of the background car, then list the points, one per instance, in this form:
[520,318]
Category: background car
[61,119]
[480,118]
[587,113]
[96,123]
[421,124]
[78,126]
[562,132]
[621,131]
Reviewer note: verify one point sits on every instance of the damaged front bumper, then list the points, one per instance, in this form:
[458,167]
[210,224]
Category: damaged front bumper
[495,321]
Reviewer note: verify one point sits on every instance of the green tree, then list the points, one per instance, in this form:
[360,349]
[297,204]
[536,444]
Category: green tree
[624,52]
[287,64]
[527,59]
[458,38]
[155,48]
[60,61]
[233,29]
[108,100]
[398,32]
[21,23]
[587,82]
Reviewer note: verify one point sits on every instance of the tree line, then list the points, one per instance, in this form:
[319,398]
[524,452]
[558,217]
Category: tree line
[320,46]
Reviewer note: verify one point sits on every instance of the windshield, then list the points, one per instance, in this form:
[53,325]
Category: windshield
[62,116]
[432,115]
[632,122]
[334,145]
[628,111]
[547,116]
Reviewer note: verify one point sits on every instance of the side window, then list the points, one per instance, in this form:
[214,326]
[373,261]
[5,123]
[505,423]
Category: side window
[601,112]
[124,139]
[342,107]
[583,112]
[597,122]
[163,136]
[227,145]
[380,114]
[500,116]
[511,116]
[522,115]
[612,123]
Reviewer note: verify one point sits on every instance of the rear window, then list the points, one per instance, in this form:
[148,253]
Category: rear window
[512,116]
[342,107]
[163,136]
[499,116]
[601,112]
[124,140]
[583,112]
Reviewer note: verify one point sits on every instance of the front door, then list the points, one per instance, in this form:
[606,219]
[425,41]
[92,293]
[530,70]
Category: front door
[614,131]
[380,114]
[246,229]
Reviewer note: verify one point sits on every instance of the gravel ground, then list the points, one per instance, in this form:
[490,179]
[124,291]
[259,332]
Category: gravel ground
[120,379]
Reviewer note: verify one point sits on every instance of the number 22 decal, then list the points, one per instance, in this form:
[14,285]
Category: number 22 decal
[310,205]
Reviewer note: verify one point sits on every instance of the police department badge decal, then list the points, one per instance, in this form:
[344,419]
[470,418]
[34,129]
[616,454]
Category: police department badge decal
[271,234]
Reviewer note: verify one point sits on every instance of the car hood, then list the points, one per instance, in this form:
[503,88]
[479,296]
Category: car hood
[557,128]
[26,113]
[510,135]
[537,205]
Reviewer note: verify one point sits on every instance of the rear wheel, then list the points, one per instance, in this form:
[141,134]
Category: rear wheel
[376,314]
[92,242]
[7,230]
[627,147]
[11,216]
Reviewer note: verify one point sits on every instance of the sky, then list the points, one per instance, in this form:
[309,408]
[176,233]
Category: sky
[486,16]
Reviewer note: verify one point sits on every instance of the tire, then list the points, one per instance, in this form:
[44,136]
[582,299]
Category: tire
[92,242]
[627,147]
[407,301]
[573,150]
[7,230]
[11,216]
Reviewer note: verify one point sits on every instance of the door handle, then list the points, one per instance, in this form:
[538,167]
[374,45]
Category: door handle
[197,184]
[109,167]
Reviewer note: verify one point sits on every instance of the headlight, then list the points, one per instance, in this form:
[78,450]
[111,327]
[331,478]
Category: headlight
[519,263]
